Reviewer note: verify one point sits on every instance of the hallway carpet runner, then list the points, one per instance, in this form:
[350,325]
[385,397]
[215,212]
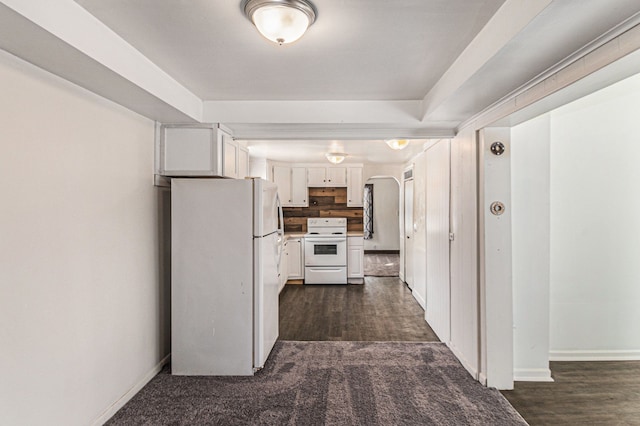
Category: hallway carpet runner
[328,383]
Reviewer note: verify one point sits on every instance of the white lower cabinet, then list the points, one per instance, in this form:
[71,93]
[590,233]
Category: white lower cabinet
[283,270]
[295,258]
[355,258]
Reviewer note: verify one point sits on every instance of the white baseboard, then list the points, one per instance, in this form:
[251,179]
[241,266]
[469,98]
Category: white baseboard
[532,375]
[466,364]
[482,378]
[595,355]
[420,300]
[109,412]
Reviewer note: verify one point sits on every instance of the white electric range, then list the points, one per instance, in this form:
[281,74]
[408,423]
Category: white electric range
[325,251]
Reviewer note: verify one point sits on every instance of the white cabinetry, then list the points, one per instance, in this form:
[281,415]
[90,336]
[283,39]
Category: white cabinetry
[191,150]
[295,259]
[283,270]
[201,150]
[326,176]
[243,162]
[316,177]
[355,187]
[292,187]
[336,176]
[355,258]
[236,158]
[299,190]
[230,150]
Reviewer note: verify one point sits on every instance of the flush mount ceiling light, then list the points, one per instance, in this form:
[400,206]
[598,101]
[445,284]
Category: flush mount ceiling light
[397,143]
[281,21]
[336,157]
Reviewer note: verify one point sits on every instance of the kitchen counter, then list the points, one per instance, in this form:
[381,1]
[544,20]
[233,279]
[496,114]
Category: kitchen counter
[288,235]
[302,234]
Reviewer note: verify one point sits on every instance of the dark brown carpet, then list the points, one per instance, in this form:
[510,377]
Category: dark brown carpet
[328,383]
[381,265]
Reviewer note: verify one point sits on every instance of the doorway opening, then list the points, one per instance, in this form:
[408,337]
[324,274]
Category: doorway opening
[382,227]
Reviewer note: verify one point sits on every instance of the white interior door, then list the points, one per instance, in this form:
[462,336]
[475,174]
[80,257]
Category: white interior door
[408,232]
[438,308]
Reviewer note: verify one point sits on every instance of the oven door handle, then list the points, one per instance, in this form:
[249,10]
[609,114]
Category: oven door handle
[325,240]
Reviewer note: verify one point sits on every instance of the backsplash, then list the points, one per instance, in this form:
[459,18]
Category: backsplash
[323,202]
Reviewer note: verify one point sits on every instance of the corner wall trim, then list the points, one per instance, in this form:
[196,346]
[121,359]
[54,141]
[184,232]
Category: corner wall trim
[532,375]
[466,364]
[595,355]
[109,412]
[419,299]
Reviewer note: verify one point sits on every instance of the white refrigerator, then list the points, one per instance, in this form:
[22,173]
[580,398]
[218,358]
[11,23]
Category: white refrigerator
[226,245]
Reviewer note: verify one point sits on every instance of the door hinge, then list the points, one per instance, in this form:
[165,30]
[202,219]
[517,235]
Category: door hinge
[451,236]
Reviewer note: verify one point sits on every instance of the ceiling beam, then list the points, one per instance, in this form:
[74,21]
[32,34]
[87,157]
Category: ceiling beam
[512,17]
[336,112]
[335,132]
[63,38]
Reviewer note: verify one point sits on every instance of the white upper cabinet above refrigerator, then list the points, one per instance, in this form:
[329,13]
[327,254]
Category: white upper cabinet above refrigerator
[200,150]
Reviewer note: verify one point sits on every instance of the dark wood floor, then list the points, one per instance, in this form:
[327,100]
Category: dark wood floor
[382,309]
[584,393]
[381,264]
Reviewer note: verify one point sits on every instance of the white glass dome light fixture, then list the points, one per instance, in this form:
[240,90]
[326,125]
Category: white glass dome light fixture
[336,157]
[397,143]
[281,21]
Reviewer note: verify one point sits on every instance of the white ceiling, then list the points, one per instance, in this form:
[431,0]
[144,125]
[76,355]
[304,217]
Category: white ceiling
[356,49]
[365,71]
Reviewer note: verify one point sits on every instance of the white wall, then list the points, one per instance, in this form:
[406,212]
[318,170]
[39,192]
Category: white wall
[371,170]
[386,205]
[595,225]
[82,318]
[530,227]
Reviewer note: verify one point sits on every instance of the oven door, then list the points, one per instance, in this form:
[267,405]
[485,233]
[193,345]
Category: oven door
[325,251]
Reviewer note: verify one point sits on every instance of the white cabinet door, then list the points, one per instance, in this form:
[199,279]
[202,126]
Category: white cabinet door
[299,190]
[295,259]
[316,177]
[282,178]
[336,176]
[243,163]
[191,150]
[355,257]
[326,176]
[355,187]
[230,149]
[283,272]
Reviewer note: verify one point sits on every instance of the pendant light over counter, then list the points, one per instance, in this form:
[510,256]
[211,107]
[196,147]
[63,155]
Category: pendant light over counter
[281,21]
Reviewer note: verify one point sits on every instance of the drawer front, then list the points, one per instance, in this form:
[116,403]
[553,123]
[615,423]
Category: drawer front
[325,275]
